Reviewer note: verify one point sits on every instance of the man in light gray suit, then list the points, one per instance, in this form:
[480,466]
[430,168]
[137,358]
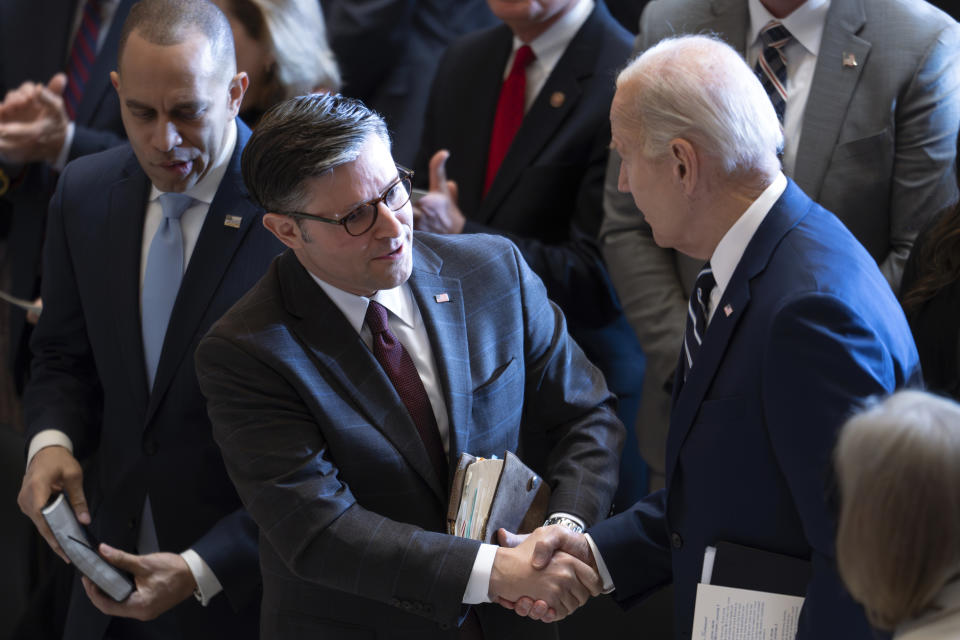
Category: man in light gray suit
[343,387]
[871,114]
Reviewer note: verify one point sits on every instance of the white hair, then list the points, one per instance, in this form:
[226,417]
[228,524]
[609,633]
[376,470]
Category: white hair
[699,89]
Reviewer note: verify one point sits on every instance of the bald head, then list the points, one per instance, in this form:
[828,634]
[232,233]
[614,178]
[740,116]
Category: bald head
[699,89]
[171,22]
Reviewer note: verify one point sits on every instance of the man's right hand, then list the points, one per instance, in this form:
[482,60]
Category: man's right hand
[52,469]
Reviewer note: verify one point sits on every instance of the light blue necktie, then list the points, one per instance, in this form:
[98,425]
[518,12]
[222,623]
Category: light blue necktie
[161,282]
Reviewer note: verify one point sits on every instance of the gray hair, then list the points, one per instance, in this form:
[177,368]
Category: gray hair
[302,138]
[898,469]
[296,33]
[699,89]
[170,22]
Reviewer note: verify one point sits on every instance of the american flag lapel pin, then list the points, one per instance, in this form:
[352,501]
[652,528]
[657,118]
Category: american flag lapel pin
[442,297]
[727,310]
[232,221]
[849,59]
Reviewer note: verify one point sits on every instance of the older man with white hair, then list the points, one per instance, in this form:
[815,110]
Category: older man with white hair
[791,324]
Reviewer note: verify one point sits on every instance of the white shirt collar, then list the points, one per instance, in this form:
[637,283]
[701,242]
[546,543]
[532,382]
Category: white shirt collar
[398,301]
[805,24]
[206,188]
[734,242]
[550,45]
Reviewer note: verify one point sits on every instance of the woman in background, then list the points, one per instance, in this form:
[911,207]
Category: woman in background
[898,542]
[282,45]
[930,294]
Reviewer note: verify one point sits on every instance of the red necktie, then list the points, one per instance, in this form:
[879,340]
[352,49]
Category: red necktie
[403,374]
[82,56]
[509,113]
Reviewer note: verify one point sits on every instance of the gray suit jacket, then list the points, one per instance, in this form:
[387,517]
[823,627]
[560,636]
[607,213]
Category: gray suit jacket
[876,148]
[329,464]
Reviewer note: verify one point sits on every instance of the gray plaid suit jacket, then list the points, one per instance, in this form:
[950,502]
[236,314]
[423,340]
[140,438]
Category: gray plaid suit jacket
[329,464]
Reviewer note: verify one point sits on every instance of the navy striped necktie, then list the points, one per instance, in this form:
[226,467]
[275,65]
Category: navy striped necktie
[697,317]
[771,66]
[83,55]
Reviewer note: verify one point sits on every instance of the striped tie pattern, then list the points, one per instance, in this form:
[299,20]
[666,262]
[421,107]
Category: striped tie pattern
[771,66]
[82,56]
[697,317]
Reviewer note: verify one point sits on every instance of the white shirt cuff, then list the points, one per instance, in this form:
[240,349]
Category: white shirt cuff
[48,438]
[61,160]
[601,565]
[207,583]
[478,586]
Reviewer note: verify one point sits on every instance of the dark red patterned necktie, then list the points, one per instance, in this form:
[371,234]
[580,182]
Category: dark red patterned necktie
[83,54]
[403,374]
[509,116]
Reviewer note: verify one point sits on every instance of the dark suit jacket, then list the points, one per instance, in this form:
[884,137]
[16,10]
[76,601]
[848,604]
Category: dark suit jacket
[388,51]
[329,463]
[89,378]
[548,192]
[33,47]
[812,330]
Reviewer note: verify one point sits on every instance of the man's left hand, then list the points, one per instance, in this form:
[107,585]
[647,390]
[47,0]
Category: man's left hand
[163,580]
[33,122]
[437,211]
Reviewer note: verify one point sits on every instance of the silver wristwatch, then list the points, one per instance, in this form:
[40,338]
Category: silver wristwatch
[563,521]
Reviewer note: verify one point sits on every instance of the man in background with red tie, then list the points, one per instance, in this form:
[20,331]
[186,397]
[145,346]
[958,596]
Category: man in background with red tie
[517,120]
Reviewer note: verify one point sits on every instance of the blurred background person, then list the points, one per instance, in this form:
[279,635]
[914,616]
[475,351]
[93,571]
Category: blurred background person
[898,544]
[931,299]
[388,52]
[282,45]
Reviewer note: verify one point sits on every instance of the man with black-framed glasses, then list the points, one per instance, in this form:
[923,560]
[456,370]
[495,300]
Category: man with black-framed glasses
[344,386]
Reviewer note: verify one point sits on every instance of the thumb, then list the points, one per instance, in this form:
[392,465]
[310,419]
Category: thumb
[58,83]
[120,559]
[73,486]
[438,171]
[508,539]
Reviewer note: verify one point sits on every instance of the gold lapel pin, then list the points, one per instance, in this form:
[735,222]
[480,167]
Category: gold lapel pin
[849,60]
[556,99]
[232,221]
[442,297]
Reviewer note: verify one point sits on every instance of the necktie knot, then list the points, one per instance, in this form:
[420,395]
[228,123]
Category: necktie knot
[174,205]
[376,318]
[522,60]
[775,35]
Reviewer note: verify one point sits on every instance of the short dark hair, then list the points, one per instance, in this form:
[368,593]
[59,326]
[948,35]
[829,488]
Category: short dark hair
[169,22]
[301,138]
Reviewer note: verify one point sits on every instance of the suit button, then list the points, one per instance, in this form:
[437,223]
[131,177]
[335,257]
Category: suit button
[676,541]
[150,447]
[406,606]
[444,626]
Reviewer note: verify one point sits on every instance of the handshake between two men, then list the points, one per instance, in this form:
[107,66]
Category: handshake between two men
[545,575]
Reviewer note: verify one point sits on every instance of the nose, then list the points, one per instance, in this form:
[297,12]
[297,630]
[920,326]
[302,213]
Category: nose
[390,223]
[166,136]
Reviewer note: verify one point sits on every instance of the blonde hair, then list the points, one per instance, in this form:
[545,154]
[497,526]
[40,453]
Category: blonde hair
[898,469]
[295,32]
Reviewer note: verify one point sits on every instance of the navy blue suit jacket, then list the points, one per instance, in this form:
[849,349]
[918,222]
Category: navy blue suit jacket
[89,379]
[806,329]
[548,192]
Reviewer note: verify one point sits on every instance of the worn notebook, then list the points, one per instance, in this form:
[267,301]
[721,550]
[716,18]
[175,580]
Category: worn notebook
[490,493]
[81,550]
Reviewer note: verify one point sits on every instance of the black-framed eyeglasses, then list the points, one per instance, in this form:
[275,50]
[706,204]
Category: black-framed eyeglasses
[361,219]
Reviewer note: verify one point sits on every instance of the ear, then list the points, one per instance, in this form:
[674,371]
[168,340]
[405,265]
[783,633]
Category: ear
[115,80]
[238,87]
[686,165]
[285,228]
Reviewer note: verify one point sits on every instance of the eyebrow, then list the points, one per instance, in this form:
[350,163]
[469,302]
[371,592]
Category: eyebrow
[350,208]
[181,106]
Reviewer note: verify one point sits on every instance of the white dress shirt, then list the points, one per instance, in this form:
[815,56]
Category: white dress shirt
[548,47]
[191,222]
[806,25]
[724,262]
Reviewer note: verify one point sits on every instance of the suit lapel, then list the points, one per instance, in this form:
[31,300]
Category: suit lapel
[341,355]
[98,86]
[208,265]
[546,114]
[447,329]
[125,213]
[689,396]
[830,93]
